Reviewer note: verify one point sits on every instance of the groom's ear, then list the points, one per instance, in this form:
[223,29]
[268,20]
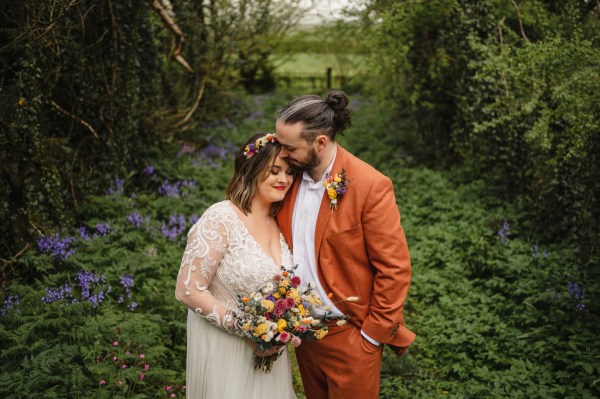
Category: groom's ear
[321,141]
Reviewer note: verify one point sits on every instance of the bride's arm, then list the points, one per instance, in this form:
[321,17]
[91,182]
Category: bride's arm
[206,245]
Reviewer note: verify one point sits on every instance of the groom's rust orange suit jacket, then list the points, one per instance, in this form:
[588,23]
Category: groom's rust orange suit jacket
[361,250]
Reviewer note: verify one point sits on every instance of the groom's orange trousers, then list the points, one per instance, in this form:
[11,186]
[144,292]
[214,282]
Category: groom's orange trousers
[342,365]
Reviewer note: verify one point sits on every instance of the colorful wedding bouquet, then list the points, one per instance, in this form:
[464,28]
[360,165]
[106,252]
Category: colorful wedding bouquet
[283,312]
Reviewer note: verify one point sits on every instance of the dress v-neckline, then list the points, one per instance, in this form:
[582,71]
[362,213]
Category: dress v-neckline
[279,265]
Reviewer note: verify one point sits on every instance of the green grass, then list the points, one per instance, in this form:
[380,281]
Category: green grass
[349,65]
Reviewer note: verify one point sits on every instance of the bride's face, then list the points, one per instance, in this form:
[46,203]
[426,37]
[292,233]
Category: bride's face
[277,182]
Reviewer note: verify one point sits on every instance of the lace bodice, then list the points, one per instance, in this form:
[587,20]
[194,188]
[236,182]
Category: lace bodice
[222,260]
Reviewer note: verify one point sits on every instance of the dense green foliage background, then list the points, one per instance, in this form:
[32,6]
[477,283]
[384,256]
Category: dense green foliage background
[485,114]
[507,89]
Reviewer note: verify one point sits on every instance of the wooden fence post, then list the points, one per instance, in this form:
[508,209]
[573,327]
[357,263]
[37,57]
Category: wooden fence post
[328,78]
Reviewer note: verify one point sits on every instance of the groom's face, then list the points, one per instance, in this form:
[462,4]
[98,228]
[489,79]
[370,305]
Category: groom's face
[300,154]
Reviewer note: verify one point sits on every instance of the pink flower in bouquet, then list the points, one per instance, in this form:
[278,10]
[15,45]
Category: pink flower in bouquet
[301,329]
[296,341]
[280,307]
[290,303]
[295,282]
[284,337]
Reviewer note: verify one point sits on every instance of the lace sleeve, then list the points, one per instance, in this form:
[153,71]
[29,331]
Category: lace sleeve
[206,245]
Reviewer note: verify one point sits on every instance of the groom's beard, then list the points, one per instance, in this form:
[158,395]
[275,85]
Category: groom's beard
[311,162]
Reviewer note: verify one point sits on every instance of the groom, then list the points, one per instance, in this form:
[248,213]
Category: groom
[346,237]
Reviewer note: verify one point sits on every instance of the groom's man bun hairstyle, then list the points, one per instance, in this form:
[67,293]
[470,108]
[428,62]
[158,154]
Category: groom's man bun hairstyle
[330,116]
[249,172]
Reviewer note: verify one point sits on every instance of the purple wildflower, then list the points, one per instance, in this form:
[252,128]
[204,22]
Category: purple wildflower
[10,303]
[576,290]
[135,219]
[102,229]
[83,233]
[63,292]
[193,219]
[168,189]
[149,170]
[578,293]
[127,283]
[117,187]
[535,251]
[96,299]
[174,227]
[504,232]
[57,247]
[88,282]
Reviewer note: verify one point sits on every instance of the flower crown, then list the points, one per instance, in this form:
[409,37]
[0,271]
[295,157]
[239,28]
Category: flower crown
[253,148]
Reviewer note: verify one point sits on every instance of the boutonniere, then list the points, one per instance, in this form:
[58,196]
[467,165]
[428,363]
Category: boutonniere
[336,187]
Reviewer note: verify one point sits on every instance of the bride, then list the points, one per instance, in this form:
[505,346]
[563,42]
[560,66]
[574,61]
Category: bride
[235,248]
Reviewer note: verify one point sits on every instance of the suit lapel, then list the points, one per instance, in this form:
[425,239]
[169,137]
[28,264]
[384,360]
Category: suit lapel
[325,211]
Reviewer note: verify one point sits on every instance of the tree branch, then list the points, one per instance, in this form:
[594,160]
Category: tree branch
[519,19]
[188,115]
[168,20]
[76,118]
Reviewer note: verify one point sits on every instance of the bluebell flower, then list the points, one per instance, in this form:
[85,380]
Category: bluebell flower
[174,227]
[127,282]
[535,250]
[135,219]
[149,170]
[504,232]
[63,292]
[168,189]
[117,187]
[10,303]
[57,247]
[576,290]
[83,233]
[578,293]
[102,229]
[193,219]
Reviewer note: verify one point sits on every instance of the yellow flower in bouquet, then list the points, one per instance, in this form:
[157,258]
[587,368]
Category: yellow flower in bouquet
[281,325]
[320,334]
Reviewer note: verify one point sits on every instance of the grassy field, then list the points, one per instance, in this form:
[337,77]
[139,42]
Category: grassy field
[347,64]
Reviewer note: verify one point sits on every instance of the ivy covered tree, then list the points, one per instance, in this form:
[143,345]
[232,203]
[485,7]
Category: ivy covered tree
[93,89]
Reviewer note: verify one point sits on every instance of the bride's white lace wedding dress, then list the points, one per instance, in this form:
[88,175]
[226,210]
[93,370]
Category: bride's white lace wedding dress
[222,260]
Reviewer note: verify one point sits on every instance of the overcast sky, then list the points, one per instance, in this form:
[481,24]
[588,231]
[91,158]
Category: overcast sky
[328,9]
